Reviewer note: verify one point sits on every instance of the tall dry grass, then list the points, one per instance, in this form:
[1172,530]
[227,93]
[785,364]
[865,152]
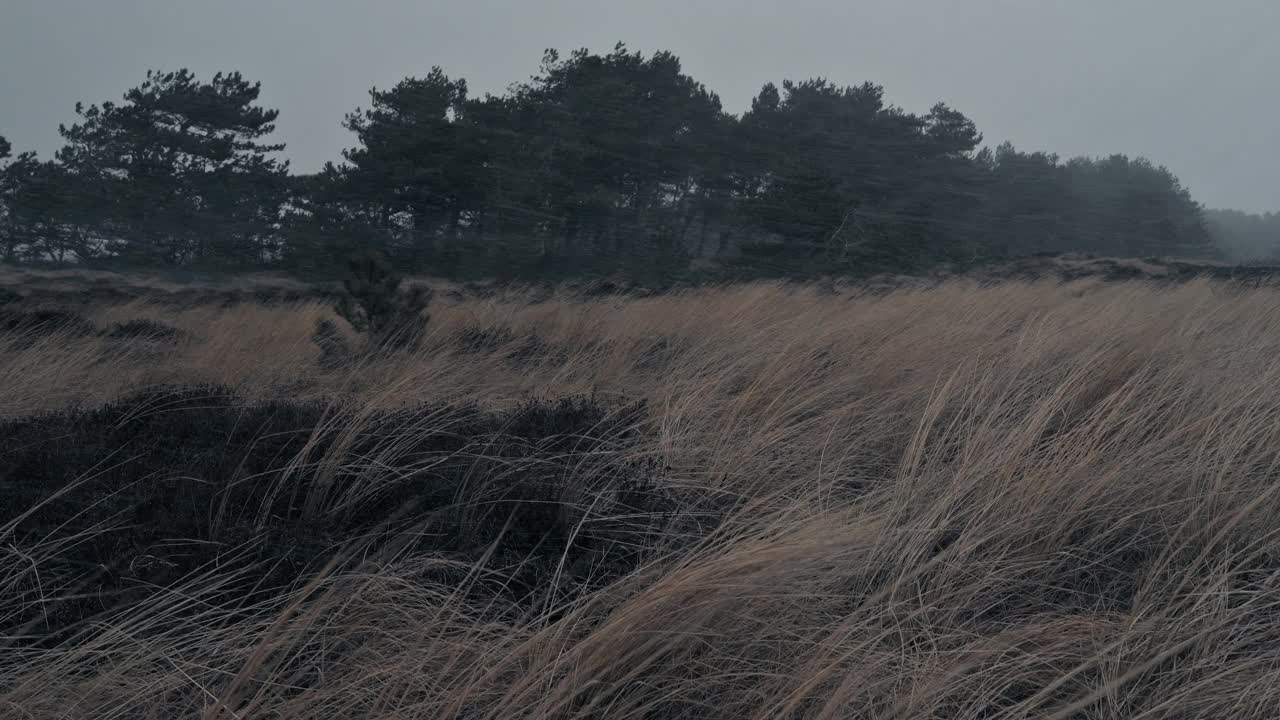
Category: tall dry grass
[1027,500]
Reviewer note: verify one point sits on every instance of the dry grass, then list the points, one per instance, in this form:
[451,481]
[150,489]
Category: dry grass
[1027,500]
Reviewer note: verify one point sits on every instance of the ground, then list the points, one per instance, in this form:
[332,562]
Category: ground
[1024,494]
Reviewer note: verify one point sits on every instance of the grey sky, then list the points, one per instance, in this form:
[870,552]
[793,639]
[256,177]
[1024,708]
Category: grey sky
[1191,84]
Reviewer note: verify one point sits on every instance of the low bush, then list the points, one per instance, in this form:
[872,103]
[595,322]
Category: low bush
[45,321]
[141,493]
[375,304]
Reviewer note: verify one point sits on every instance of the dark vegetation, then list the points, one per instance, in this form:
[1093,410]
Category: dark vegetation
[601,164]
[1246,237]
[28,322]
[44,301]
[43,321]
[131,499]
[1070,267]
[374,303]
[77,287]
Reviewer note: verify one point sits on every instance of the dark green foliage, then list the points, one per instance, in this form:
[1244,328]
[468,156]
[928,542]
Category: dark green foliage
[43,209]
[1245,237]
[331,217]
[619,164]
[376,305]
[171,481]
[1109,206]
[600,165]
[10,186]
[413,163]
[177,175]
[843,181]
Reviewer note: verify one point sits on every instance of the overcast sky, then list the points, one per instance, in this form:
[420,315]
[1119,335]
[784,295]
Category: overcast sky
[1192,84]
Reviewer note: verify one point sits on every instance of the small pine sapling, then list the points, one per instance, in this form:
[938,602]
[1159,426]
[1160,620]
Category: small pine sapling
[375,304]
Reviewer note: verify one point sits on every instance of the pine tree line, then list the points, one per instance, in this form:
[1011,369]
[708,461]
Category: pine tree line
[599,163]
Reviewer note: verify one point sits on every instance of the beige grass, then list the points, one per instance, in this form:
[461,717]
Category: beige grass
[1048,501]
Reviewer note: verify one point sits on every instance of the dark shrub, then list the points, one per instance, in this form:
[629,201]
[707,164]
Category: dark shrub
[44,321]
[375,304]
[159,485]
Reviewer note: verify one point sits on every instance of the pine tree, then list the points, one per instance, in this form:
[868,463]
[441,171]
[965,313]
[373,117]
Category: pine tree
[178,172]
[375,304]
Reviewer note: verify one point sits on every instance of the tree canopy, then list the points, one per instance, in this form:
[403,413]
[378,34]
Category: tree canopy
[176,174]
[1246,237]
[614,162]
